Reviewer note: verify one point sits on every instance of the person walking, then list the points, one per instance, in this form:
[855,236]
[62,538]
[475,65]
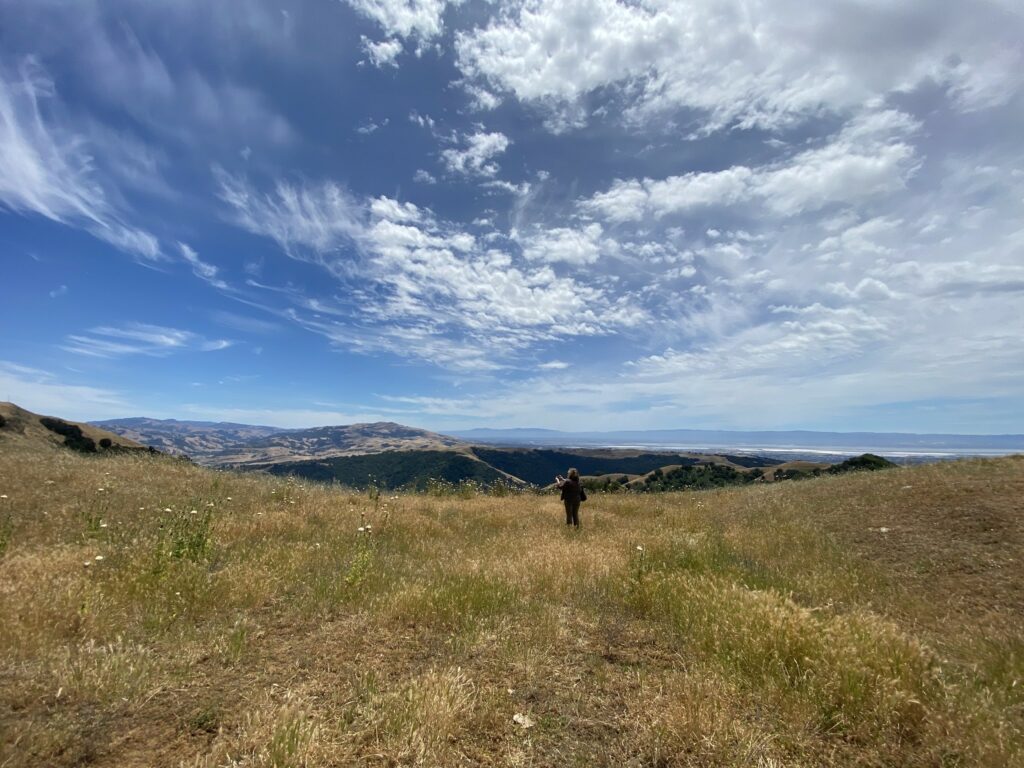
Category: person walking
[572,495]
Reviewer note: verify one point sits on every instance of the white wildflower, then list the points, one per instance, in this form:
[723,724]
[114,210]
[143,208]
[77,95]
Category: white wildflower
[639,548]
[98,558]
[87,563]
[167,509]
[103,525]
[100,490]
[194,512]
[3,495]
[229,498]
[361,529]
[524,720]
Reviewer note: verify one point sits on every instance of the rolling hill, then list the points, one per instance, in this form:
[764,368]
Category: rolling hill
[195,439]
[157,613]
[19,424]
[395,456]
[225,444]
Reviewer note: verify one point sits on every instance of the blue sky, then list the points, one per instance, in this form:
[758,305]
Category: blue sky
[581,214]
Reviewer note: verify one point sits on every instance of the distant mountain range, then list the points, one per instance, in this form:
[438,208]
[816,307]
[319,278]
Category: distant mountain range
[238,445]
[393,455]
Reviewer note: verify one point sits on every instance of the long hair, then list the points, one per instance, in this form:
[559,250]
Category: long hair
[574,474]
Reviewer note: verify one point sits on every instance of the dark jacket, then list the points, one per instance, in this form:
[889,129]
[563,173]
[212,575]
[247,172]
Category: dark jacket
[571,490]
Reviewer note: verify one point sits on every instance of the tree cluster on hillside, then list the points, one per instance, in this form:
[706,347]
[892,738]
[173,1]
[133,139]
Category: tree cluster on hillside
[695,478]
[866,461]
[539,466]
[413,470]
[606,484]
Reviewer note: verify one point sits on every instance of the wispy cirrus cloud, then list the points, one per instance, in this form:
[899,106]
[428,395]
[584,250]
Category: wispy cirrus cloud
[139,339]
[870,156]
[48,168]
[51,394]
[202,269]
[306,221]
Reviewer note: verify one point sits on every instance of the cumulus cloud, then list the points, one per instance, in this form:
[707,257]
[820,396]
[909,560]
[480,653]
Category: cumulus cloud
[382,54]
[762,64]
[420,19]
[475,157]
[421,286]
[572,246]
[423,176]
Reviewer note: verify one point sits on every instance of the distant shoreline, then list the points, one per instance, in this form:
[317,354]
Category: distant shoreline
[907,453]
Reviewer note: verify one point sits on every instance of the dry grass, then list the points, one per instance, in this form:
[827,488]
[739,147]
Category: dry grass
[763,626]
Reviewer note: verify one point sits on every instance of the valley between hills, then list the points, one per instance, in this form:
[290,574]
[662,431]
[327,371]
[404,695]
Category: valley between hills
[394,456]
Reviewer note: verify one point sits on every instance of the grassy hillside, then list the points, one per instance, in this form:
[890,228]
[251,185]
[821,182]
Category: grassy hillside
[156,613]
[19,423]
[392,469]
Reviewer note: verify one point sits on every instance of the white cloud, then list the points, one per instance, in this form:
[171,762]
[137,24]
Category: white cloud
[421,19]
[371,127]
[51,395]
[475,157]
[423,121]
[307,221]
[572,246]
[420,287]
[424,177]
[868,289]
[869,157]
[200,268]
[48,169]
[392,210]
[765,64]
[382,54]
[139,339]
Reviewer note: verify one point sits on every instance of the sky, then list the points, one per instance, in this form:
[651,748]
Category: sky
[572,214]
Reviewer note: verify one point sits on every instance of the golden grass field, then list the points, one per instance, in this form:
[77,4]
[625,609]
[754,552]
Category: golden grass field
[154,613]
